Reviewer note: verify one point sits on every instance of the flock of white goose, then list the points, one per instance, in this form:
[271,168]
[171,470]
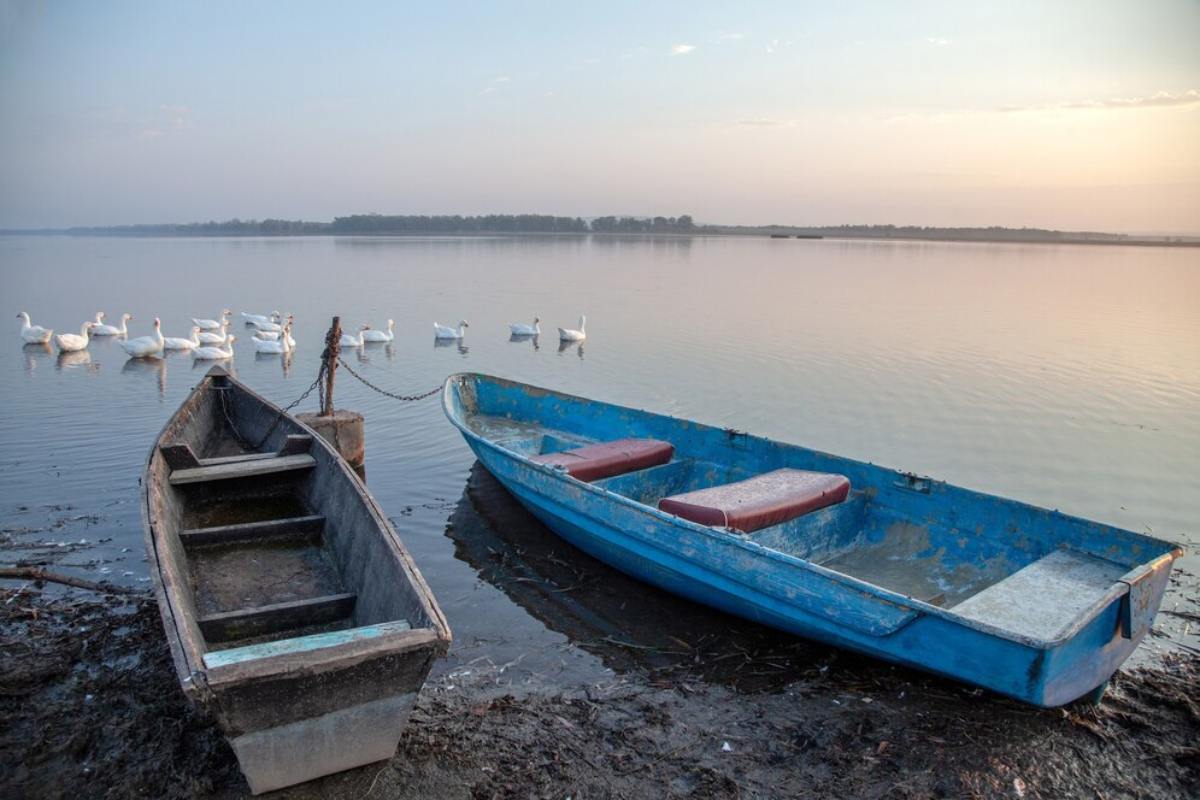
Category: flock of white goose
[211,340]
[208,340]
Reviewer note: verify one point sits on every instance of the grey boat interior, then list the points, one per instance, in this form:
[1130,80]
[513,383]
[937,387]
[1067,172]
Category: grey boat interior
[272,545]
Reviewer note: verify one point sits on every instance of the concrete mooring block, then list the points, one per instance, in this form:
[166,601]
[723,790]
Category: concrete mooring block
[344,430]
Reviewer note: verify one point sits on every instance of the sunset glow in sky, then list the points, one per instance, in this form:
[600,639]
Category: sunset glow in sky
[1073,115]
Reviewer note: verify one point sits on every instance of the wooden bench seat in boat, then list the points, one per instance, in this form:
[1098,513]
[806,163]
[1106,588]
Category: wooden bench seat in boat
[607,459]
[1044,599]
[759,502]
[186,467]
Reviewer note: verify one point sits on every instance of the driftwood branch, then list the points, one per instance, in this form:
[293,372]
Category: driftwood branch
[39,574]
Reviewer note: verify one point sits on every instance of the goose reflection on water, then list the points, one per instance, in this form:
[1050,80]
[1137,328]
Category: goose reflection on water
[564,345]
[70,359]
[456,343]
[629,625]
[148,366]
[33,353]
[521,338]
[384,347]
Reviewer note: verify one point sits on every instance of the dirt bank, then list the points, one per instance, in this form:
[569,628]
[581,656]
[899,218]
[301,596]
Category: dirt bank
[92,710]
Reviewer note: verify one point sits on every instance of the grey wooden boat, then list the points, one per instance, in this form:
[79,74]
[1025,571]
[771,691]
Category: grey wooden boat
[294,613]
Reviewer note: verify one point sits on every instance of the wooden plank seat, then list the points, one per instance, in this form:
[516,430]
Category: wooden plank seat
[307,528]
[1044,599]
[242,469]
[179,455]
[264,620]
[759,502]
[606,459]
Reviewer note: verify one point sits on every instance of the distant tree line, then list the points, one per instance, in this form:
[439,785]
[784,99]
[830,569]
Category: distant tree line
[231,227]
[489,223]
[681,224]
[367,224]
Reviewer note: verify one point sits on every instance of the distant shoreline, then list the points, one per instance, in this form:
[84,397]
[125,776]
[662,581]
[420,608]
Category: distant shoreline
[398,225]
[1124,242]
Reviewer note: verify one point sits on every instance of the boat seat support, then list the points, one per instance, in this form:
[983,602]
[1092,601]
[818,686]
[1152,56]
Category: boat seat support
[263,620]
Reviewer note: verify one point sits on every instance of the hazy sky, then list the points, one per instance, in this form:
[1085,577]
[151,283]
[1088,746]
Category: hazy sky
[1081,115]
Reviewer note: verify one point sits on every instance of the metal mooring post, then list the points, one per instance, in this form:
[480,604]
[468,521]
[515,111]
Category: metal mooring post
[333,345]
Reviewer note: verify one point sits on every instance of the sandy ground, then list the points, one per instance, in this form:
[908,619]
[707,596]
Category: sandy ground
[91,709]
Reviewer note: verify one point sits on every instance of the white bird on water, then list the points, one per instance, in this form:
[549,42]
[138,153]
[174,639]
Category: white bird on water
[215,353]
[269,326]
[271,336]
[272,346]
[261,319]
[217,337]
[212,324]
[443,332]
[519,329]
[33,334]
[70,342]
[179,343]
[372,335]
[111,330]
[144,346]
[353,341]
[571,335]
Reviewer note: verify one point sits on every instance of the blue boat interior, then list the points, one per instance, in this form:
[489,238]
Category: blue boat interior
[1025,570]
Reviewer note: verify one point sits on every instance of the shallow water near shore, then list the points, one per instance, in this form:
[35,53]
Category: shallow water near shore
[1064,376]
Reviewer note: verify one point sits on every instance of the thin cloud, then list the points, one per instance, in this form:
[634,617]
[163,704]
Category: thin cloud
[730,37]
[937,41]
[1156,100]
[682,49]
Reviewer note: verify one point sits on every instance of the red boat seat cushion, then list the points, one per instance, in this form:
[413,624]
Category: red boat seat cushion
[761,501]
[606,459]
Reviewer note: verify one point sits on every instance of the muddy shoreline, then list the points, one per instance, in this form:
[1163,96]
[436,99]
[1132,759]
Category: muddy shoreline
[92,710]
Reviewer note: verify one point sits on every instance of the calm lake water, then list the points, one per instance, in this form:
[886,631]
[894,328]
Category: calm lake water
[1064,376]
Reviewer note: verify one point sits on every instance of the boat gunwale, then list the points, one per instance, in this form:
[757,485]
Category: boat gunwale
[1119,588]
[188,654]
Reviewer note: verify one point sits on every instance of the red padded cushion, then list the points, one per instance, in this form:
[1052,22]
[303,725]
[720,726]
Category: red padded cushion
[761,501]
[604,460]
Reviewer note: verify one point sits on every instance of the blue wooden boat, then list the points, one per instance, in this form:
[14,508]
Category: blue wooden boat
[1030,603]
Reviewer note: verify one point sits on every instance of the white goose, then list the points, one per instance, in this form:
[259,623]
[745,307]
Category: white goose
[379,336]
[272,346]
[144,346]
[70,342]
[219,337]
[443,332]
[259,319]
[179,343]
[112,330]
[212,324]
[268,326]
[570,335]
[353,341]
[272,336]
[519,329]
[215,353]
[33,334]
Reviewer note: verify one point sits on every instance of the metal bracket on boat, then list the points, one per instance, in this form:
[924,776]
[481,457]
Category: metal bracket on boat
[912,482]
[1138,604]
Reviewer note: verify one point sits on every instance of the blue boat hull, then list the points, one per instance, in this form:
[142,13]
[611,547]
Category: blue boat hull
[768,580]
